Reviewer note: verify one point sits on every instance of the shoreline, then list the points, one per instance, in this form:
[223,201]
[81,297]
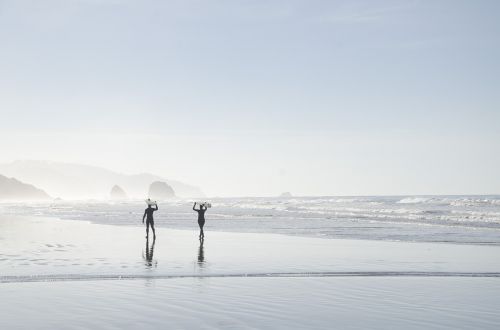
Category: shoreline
[110,277]
[223,231]
[59,248]
[323,228]
[467,221]
[235,231]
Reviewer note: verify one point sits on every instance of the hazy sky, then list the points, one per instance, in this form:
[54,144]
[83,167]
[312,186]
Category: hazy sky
[257,97]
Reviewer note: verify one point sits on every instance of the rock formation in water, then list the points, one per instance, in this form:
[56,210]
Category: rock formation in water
[74,181]
[160,190]
[118,193]
[15,190]
[286,195]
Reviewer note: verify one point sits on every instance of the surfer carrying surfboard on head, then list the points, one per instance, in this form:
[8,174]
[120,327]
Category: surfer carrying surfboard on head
[148,215]
[201,217]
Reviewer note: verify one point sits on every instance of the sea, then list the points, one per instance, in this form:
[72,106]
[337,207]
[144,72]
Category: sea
[451,219]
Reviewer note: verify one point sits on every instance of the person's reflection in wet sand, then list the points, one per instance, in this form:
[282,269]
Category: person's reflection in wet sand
[148,257]
[201,254]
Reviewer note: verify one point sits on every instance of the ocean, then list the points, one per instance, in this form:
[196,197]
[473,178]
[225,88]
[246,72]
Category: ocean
[451,219]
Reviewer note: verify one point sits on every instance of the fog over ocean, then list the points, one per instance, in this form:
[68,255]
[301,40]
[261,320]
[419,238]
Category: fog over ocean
[453,219]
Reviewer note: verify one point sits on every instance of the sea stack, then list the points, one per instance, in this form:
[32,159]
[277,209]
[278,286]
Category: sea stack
[160,190]
[286,195]
[118,193]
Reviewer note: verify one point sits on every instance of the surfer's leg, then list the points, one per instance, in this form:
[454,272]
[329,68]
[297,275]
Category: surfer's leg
[147,228]
[153,228]
[202,234]
[201,229]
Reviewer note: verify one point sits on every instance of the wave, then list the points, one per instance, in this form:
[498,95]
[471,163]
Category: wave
[413,200]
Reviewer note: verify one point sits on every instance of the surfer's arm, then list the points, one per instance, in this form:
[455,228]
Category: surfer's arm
[144,216]
[194,205]
[156,207]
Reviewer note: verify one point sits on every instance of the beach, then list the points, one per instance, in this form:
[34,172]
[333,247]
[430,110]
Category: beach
[338,158]
[84,275]
[254,303]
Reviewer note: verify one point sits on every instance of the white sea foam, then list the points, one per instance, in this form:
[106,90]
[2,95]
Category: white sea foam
[413,200]
[461,219]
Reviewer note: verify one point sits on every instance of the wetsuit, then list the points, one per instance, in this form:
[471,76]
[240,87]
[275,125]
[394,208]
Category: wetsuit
[201,217]
[148,213]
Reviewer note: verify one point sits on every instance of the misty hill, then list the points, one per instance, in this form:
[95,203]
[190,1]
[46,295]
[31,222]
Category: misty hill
[160,190]
[12,189]
[82,181]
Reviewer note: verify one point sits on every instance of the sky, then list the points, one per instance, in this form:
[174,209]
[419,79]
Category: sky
[259,97]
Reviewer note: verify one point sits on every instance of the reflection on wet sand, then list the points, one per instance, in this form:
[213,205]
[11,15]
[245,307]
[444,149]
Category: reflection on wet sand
[201,254]
[148,256]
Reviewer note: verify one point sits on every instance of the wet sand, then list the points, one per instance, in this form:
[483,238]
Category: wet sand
[75,274]
[254,303]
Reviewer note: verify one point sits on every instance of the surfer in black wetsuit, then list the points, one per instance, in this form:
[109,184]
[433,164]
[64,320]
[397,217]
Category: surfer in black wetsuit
[148,214]
[201,218]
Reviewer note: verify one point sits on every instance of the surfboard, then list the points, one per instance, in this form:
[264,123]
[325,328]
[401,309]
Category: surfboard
[150,202]
[206,204]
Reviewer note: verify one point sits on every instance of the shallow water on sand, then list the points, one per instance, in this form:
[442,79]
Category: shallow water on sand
[254,303]
[80,275]
[52,249]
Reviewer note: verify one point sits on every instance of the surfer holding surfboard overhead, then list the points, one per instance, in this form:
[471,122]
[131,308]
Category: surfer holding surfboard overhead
[148,214]
[201,216]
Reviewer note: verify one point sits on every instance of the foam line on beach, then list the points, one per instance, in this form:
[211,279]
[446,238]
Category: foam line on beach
[100,277]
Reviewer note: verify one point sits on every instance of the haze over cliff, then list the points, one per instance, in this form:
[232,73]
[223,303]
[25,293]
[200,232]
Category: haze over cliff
[12,189]
[77,181]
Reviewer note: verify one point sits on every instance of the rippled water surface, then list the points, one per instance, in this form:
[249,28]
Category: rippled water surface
[63,274]
[456,219]
[38,249]
[254,303]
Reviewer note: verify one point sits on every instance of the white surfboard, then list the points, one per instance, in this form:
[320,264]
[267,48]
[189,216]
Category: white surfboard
[150,202]
[206,204]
